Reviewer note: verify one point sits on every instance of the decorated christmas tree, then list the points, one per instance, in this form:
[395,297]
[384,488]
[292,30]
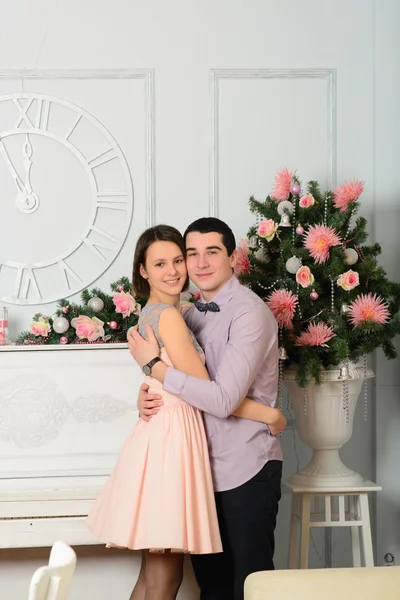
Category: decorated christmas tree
[307,257]
[102,318]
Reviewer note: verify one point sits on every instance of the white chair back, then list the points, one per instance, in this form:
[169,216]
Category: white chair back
[53,581]
[364,583]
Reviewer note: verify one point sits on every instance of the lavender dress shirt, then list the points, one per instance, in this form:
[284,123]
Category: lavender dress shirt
[241,347]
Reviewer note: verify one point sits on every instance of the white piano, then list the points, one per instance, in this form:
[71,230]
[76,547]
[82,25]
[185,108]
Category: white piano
[65,412]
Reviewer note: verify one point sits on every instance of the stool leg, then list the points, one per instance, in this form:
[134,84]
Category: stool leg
[366,530]
[304,530]
[355,531]
[292,559]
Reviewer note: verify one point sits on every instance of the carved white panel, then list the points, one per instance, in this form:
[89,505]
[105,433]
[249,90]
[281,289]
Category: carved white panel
[66,179]
[263,120]
[65,413]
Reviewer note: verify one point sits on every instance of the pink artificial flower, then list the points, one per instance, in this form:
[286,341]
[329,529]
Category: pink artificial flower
[282,304]
[88,328]
[40,327]
[283,181]
[307,201]
[304,277]
[242,264]
[347,193]
[267,229]
[318,240]
[125,304]
[316,335]
[368,308]
[196,296]
[348,280]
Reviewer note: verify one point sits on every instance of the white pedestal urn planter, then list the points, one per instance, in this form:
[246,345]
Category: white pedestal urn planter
[324,420]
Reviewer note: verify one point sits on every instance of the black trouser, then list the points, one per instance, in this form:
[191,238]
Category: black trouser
[247,520]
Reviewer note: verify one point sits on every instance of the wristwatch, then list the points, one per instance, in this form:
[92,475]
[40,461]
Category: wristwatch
[147,368]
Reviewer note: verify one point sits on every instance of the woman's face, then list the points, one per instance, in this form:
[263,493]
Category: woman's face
[165,269]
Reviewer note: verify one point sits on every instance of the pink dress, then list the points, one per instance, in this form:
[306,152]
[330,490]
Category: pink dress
[160,493]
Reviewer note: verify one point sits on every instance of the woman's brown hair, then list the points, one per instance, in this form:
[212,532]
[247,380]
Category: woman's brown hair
[159,233]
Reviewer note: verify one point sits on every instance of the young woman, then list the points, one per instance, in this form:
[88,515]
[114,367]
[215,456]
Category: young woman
[159,497]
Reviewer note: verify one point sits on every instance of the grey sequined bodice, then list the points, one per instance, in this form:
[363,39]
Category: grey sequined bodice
[150,315]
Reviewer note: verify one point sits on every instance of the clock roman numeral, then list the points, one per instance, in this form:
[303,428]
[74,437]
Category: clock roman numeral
[95,245]
[73,126]
[25,283]
[102,158]
[41,120]
[112,200]
[65,271]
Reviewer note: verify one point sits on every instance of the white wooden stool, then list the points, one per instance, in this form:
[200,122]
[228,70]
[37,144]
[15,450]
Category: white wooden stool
[342,507]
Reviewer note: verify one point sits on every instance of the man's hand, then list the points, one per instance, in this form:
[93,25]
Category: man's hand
[148,404]
[279,424]
[143,351]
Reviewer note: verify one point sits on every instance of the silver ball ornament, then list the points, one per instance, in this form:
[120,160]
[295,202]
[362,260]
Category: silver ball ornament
[262,255]
[60,324]
[351,256]
[95,304]
[293,264]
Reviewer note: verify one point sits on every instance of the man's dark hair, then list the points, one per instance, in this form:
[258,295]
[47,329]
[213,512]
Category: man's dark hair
[211,225]
[159,233]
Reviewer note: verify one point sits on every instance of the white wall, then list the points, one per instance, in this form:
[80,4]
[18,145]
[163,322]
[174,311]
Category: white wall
[259,122]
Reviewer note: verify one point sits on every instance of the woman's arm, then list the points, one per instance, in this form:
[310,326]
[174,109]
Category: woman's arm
[175,336]
[255,411]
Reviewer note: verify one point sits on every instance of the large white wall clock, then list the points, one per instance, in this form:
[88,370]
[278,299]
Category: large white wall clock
[66,198]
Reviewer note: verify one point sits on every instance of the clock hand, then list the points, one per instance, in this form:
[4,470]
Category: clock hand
[17,180]
[27,164]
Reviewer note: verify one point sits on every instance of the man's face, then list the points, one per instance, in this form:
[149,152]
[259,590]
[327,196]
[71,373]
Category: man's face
[208,263]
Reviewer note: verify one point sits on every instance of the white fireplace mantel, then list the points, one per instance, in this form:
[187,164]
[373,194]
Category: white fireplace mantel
[65,412]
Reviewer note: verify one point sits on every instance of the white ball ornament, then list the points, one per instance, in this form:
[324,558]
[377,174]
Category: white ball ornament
[96,304]
[351,256]
[60,324]
[293,264]
[262,255]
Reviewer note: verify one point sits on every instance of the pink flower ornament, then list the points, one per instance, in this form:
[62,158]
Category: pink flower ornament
[283,181]
[125,304]
[315,335]
[347,193]
[368,308]
[40,327]
[267,229]
[282,304]
[88,328]
[304,277]
[318,240]
[242,264]
[348,280]
[307,201]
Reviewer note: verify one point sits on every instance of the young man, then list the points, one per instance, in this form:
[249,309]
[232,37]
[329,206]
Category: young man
[240,338]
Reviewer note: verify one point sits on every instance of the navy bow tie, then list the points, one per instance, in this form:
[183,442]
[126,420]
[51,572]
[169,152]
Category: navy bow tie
[206,306]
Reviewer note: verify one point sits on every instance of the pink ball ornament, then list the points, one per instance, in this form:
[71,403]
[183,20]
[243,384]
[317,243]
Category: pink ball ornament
[64,310]
[295,189]
[120,288]
[314,295]
[299,230]
[63,340]
[113,324]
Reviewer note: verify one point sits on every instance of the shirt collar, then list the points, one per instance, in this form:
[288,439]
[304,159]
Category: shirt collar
[225,294]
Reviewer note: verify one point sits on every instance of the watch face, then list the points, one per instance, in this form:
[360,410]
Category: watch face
[146,370]
[66,195]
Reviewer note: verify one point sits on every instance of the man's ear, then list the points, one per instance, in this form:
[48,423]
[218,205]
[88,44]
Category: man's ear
[233,258]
